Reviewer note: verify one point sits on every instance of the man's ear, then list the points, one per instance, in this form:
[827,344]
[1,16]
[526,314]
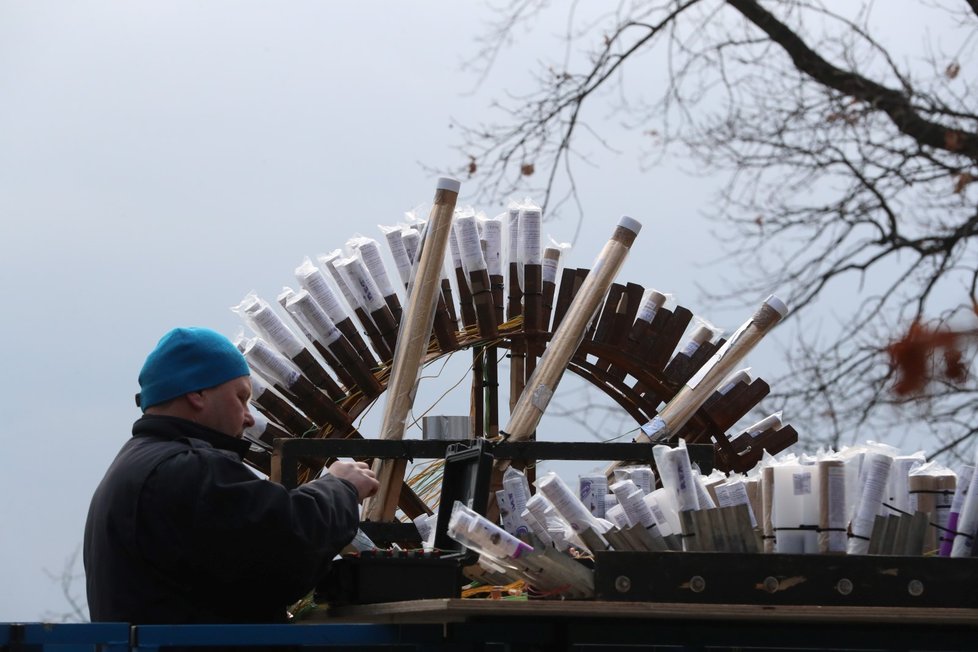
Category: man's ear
[195,399]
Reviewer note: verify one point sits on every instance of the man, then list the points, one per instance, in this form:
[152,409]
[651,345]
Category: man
[180,530]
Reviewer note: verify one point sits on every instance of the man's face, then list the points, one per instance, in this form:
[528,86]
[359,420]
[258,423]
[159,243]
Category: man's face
[225,407]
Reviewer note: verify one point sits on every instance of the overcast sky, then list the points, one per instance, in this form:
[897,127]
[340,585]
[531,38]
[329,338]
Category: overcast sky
[159,160]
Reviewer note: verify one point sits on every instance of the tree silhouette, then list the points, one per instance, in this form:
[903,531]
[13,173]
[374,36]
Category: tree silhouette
[849,167]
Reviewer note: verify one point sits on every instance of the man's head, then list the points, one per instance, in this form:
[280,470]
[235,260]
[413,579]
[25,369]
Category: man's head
[199,375]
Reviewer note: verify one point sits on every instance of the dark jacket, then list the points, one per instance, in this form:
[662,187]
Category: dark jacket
[181,531]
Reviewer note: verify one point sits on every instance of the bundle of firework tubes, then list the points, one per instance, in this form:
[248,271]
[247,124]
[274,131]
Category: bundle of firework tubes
[343,338]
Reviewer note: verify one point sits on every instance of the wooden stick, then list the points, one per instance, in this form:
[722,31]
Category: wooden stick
[412,345]
[699,388]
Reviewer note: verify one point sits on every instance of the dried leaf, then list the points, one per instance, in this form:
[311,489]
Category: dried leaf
[954,140]
[527,169]
[910,358]
[472,166]
[952,70]
[961,182]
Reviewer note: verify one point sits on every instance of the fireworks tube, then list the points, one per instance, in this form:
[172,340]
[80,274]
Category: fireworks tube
[329,262]
[328,335]
[357,277]
[312,280]
[369,252]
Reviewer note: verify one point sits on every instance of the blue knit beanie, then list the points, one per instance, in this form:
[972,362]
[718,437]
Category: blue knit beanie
[188,360]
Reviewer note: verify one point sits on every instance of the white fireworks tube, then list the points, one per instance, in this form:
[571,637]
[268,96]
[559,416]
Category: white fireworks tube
[309,313]
[651,302]
[567,504]
[369,252]
[967,527]
[312,280]
[737,377]
[395,243]
[873,477]
[701,334]
[412,343]
[676,474]
[529,235]
[494,245]
[542,384]
[361,284]
[592,490]
[265,322]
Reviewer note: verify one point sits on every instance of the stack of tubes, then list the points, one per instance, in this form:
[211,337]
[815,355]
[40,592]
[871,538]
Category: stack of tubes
[865,499]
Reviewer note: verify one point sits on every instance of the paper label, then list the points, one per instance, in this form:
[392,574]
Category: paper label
[802,483]
[540,398]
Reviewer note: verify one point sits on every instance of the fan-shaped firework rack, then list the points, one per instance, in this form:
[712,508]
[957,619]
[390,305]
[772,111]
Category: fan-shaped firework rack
[629,359]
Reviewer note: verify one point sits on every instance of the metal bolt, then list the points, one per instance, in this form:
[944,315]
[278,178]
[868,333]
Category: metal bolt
[623,584]
[697,584]
[915,588]
[844,586]
[771,584]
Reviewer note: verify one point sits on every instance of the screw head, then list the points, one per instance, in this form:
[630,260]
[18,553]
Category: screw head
[915,588]
[771,584]
[844,586]
[623,584]
[697,584]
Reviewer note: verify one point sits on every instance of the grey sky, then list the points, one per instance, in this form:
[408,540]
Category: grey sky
[158,160]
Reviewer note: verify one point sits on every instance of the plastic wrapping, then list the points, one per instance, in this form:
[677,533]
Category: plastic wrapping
[531,219]
[734,379]
[676,475]
[493,230]
[567,504]
[795,508]
[395,244]
[313,281]
[329,262]
[469,243]
[266,322]
[369,252]
[961,492]
[632,499]
[361,284]
[703,332]
[478,533]
[283,300]
[517,487]
[932,487]
[513,233]
[412,241]
[547,515]
[874,476]
[770,422]
[270,363]
[592,490]
[308,312]
[652,300]
[967,525]
[551,264]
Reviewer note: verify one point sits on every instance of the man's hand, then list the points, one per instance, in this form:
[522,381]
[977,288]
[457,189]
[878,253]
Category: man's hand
[358,474]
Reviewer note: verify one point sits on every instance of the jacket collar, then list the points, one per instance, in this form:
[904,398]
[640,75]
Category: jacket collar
[158,425]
